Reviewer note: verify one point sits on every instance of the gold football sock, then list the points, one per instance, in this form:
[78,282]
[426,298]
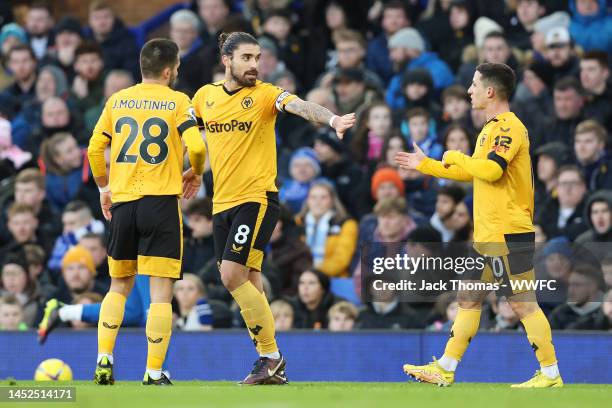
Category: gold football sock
[540,337]
[159,330]
[257,315]
[111,317]
[463,330]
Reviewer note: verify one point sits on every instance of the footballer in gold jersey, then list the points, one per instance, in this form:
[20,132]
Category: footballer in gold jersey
[237,116]
[501,172]
[146,126]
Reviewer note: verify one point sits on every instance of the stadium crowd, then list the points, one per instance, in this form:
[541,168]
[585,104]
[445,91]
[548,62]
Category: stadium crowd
[402,66]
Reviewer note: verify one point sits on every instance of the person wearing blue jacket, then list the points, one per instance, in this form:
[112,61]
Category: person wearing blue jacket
[591,25]
[407,50]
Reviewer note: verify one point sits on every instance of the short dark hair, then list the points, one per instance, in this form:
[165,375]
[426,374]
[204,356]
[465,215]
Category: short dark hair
[496,34]
[228,42]
[201,206]
[87,47]
[499,76]
[600,56]
[21,47]
[455,92]
[418,111]
[156,55]
[396,4]
[95,235]
[455,192]
[569,82]
[573,168]
[75,206]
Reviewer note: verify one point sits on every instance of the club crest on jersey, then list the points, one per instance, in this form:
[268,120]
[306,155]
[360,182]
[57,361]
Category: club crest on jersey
[247,102]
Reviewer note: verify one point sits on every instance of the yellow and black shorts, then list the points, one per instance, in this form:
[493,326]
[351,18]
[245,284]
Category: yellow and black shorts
[241,233]
[146,236]
[517,265]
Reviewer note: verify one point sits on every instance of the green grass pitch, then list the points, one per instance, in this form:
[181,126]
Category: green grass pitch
[325,394]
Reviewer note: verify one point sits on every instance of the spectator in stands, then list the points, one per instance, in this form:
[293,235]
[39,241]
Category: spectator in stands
[568,101]
[22,224]
[55,118]
[87,298]
[342,317]
[417,91]
[448,198]
[314,299]
[532,101]
[30,190]
[269,63]
[606,266]
[21,61]
[119,48]
[330,233]
[65,169]
[393,224]
[12,158]
[594,76]
[115,81]
[195,312]
[445,308]
[394,18]
[560,55]
[304,169]
[288,252]
[407,51]
[39,26]
[11,314]
[599,220]
[584,297]
[337,167]
[589,148]
[51,82]
[198,246]
[591,25]
[213,13]
[351,91]
[602,320]
[456,107]
[351,51]
[11,34]
[461,221]
[78,276]
[420,131]
[278,26]
[565,215]
[383,310]
[68,36]
[36,258]
[495,49]
[522,25]
[195,69]
[283,315]
[78,221]
[95,243]
[457,137]
[88,84]
[374,128]
[548,159]
[558,259]
[16,281]
[505,318]
[450,46]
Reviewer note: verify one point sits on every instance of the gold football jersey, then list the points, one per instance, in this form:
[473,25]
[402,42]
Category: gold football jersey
[144,125]
[241,139]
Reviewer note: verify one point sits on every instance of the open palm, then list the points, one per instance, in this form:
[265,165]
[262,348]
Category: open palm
[410,161]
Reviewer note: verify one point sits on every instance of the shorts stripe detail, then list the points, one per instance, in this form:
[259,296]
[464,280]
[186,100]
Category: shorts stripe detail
[159,266]
[121,268]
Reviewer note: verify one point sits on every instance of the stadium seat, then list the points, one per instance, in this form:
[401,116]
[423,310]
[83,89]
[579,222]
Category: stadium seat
[344,287]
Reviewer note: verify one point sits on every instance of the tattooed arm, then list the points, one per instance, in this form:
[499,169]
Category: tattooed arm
[319,114]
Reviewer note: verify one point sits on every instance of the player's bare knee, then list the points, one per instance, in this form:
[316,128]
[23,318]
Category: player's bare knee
[122,286]
[161,289]
[523,308]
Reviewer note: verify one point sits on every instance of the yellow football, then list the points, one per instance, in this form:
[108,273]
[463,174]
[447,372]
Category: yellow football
[53,369]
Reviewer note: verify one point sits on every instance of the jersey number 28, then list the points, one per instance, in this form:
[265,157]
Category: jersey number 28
[149,139]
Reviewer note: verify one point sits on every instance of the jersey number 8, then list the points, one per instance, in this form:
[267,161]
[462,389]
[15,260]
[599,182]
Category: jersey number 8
[149,139]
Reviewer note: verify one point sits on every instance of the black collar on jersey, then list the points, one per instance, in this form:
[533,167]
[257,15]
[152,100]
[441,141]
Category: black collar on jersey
[230,93]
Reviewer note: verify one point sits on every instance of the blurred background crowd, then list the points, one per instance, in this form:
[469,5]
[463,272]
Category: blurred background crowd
[403,66]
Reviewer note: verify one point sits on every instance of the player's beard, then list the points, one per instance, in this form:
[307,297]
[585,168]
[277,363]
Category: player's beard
[242,80]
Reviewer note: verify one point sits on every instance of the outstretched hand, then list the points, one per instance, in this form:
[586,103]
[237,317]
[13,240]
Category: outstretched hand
[343,123]
[410,161]
[105,203]
[191,183]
